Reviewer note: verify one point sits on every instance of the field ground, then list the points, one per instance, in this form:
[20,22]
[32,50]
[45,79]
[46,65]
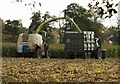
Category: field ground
[59,70]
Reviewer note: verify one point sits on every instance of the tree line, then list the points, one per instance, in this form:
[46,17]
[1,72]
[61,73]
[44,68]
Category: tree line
[85,19]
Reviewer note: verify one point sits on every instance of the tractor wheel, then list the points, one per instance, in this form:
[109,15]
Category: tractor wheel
[48,53]
[18,54]
[82,55]
[37,53]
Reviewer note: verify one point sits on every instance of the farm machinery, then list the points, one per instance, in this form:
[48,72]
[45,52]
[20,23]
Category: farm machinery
[76,43]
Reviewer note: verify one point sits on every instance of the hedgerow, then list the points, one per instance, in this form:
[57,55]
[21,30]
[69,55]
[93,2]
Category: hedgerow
[10,51]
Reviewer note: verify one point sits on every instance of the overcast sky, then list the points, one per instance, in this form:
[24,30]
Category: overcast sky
[18,11]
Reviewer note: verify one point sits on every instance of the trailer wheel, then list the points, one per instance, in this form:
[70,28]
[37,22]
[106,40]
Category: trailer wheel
[82,55]
[67,55]
[37,53]
[104,53]
[99,53]
[87,55]
[48,53]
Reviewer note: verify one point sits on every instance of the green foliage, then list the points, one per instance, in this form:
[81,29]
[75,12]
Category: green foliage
[9,50]
[114,32]
[83,19]
[112,50]
[107,9]
[57,53]
[11,30]
[78,14]
[13,27]
[46,16]
[36,18]
[12,39]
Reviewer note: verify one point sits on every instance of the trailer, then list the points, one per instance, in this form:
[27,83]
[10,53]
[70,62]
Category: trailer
[83,45]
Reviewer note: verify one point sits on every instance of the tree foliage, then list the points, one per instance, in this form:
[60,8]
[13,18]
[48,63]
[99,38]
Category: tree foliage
[46,16]
[36,21]
[13,27]
[113,31]
[38,18]
[83,18]
[104,9]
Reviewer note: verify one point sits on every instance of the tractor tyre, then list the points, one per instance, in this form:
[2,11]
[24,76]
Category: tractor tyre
[48,53]
[37,53]
[18,54]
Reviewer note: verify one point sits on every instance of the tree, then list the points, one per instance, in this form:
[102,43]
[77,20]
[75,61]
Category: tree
[75,12]
[104,9]
[12,27]
[83,18]
[113,31]
[36,21]
[46,16]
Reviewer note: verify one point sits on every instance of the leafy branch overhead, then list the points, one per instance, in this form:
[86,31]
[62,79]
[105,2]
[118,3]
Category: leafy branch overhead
[32,3]
[104,9]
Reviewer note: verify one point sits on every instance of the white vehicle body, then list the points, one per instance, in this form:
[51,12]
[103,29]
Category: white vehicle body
[27,42]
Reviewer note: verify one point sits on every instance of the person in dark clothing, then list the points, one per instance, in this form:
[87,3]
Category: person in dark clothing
[98,42]
[98,48]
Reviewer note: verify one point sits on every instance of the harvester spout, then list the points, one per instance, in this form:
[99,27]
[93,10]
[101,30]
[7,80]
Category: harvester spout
[41,27]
